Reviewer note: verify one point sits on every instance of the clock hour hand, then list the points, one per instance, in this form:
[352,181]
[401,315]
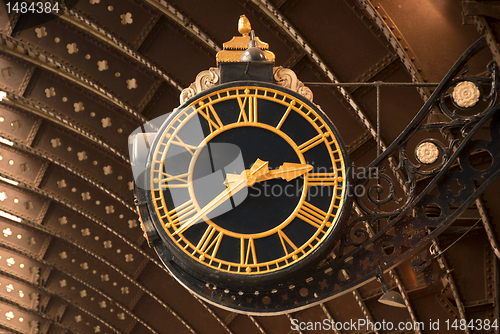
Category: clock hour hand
[238,181]
[288,171]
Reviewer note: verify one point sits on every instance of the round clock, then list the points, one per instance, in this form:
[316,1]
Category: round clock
[247,184]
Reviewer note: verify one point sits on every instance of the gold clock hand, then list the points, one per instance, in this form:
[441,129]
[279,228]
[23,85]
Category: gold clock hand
[238,181]
[288,171]
[232,189]
[258,169]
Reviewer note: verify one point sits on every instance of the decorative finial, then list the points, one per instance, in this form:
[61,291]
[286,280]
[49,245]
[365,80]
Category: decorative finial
[233,49]
[244,26]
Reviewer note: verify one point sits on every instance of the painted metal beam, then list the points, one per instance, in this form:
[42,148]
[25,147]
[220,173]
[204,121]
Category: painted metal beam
[80,281]
[175,15]
[55,295]
[104,36]
[23,103]
[16,48]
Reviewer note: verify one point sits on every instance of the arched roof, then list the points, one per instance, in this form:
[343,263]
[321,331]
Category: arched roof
[73,257]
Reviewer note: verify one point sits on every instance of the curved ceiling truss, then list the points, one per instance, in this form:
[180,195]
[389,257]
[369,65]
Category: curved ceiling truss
[77,86]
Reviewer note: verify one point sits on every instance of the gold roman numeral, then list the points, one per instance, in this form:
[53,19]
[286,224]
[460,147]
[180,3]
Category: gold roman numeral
[176,140]
[247,252]
[311,143]
[285,115]
[174,181]
[182,213]
[286,241]
[312,215]
[210,240]
[321,179]
[250,115]
[212,118]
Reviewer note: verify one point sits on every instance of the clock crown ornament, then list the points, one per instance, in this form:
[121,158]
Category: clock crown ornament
[232,50]
[231,67]
[245,57]
[244,26]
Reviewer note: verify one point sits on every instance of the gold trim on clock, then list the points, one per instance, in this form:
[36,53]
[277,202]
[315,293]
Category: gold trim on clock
[205,251]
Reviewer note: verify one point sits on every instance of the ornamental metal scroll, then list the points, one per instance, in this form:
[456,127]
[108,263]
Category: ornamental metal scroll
[432,156]
[392,227]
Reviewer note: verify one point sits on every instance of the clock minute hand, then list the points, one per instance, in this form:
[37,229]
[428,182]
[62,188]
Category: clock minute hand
[237,182]
[232,189]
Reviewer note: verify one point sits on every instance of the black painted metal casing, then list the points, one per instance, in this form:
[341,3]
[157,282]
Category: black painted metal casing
[254,70]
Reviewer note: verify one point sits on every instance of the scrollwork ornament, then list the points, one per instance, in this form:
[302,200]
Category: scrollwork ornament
[287,78]
[361,234]
[207,79]
[204,80]
[374,192]
[305,91]
[187,93]
[362,229]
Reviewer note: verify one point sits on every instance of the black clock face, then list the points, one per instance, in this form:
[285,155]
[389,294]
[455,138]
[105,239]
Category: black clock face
[248,179]
[273,205]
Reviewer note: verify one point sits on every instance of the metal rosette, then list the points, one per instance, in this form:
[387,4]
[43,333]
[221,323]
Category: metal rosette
[466,94]
[428,151]
[465,97]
